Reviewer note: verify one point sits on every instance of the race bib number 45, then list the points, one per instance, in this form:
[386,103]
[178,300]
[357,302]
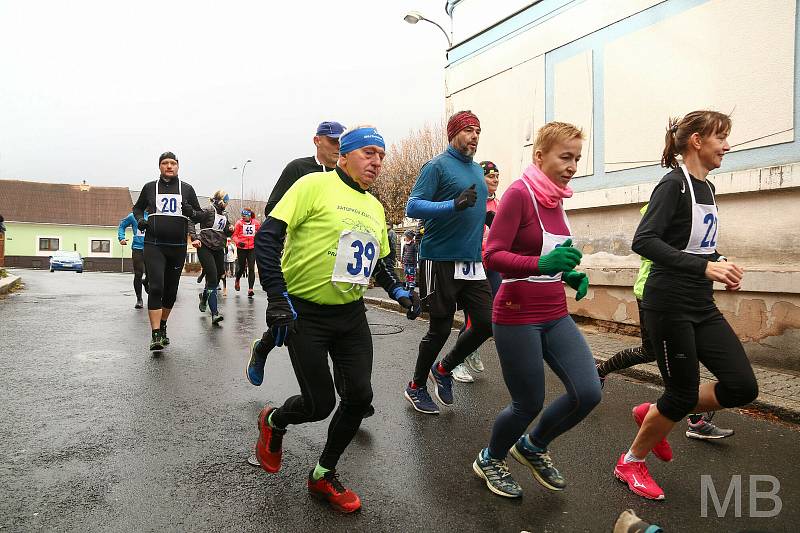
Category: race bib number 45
[355,257]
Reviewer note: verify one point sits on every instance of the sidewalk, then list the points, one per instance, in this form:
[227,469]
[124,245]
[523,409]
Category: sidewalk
[9,282]
[779,393]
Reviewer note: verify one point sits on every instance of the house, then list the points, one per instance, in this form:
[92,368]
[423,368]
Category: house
[42,218]
[619,69]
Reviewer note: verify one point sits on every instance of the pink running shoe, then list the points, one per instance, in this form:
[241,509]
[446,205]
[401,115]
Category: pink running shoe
[636,475]
[662,450]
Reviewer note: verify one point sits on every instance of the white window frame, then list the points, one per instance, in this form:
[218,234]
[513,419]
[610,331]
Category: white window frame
[89,252]
[47,253]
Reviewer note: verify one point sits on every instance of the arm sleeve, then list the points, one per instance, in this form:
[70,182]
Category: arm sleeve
[287,178]
[498,255]
[123,225]
[191,197]
[141,204]
[237,232]
[385,277]
[648,240]
[268,249]
[420,201]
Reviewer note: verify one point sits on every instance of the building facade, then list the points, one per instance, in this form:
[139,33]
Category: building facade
[619,69]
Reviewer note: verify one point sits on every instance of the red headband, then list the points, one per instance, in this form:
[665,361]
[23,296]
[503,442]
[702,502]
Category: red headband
[459,121]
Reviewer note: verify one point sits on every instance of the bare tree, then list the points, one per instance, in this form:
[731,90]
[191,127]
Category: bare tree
[401,167]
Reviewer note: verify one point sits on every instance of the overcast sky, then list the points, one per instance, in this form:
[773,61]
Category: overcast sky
[97,89]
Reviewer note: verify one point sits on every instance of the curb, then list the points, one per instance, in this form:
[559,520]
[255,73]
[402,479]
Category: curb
[9,283]
[765,404]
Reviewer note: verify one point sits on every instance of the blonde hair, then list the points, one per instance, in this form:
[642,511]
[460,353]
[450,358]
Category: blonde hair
[218,195]
[553,132]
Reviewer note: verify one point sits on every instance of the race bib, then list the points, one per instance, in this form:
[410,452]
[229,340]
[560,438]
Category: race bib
[139,233]
[249,230]
[220,221]
[355,257]
[469,270]
[168,205]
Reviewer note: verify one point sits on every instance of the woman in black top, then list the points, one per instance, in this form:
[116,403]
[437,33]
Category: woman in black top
[170,204]
[211,241]
[679,233]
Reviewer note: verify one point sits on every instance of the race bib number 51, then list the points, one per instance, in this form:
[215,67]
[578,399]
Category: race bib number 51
[471,270]
[355,257]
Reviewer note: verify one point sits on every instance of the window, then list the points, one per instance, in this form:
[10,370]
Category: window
[48,244]
[101,246]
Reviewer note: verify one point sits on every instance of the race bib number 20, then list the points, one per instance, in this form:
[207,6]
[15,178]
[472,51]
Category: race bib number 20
[355,257]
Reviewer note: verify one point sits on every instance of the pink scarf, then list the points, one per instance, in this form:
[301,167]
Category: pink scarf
[547,193]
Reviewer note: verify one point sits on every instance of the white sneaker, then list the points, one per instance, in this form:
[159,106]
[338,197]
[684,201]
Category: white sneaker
[474,361]
[461,374]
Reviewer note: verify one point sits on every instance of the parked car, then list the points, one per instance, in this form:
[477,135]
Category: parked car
[66,261]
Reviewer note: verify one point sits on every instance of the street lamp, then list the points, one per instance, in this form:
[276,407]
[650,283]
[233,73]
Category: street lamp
[412,17]
[241,198]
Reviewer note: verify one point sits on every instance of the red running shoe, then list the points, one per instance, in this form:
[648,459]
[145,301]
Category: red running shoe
[236,285]
[662,450]
[269,446]
[329,488]
[636,475]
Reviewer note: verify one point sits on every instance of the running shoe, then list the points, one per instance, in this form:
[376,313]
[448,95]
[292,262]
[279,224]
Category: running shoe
[330,489]
[164,338]
[269,447]
[216,319]
[496,475]
[443,385]
[156,342]
[636,475]
[203,303]
[236,285]
[421,400]
[139,304]
[706,430]
[255,366]
[461,374]
[250,293]
[474,361]
[628,522]
[662,450]
[540,465]
[602,378]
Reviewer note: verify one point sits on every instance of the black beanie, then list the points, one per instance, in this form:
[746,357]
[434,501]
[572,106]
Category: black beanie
[167,155]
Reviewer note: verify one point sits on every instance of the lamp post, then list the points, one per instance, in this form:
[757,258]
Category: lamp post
[412,17]
[241,198]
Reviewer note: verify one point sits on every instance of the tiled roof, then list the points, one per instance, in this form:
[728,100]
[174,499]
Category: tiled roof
[62,203]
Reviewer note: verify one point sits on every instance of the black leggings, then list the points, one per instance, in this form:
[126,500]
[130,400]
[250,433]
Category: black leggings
[342,332]
[629,357]
[137,256]
[164,265]
[683,340]
[213,264]
[246,257]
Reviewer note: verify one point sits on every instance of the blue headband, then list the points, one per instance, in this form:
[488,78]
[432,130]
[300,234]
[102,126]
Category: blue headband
[355,139]
[226,198]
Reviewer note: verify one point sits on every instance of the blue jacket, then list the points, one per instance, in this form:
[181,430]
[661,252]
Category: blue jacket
[130,220]
[450,235]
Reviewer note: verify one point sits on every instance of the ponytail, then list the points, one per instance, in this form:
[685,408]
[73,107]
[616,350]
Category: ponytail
[704,123]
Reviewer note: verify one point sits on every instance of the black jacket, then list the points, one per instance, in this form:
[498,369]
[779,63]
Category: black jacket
[162,230]
[211,238]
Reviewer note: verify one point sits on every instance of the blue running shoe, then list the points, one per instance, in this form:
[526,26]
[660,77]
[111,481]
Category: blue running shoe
[444,385]
[255,366]
[421,400]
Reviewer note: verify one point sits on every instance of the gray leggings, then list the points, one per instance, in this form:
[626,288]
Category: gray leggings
[522,350]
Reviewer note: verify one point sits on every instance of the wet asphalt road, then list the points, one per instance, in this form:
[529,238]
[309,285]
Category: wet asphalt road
[96,434]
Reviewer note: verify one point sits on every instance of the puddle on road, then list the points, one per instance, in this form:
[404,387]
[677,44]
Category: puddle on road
[96,356]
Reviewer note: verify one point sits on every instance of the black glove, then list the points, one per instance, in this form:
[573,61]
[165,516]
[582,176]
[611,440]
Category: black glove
[187,210]
[409,301]
[141,224]
[240,244]
[467,198]
[281,318]
[489,218]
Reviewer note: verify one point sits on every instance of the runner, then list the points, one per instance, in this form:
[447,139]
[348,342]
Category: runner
[326,141]
[170,202]
[335,235]
[137,254]
[450,196]
[473,360]
[700,425]
[211,243]
[243,235]
[530,243]
[679,234]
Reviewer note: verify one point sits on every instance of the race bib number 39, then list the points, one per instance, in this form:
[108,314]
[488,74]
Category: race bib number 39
[355,257]
[470,270]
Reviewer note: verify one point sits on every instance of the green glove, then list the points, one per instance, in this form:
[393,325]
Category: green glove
[578,281]
[562,259]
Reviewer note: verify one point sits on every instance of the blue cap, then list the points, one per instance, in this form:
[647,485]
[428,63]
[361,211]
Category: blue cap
[330,129]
